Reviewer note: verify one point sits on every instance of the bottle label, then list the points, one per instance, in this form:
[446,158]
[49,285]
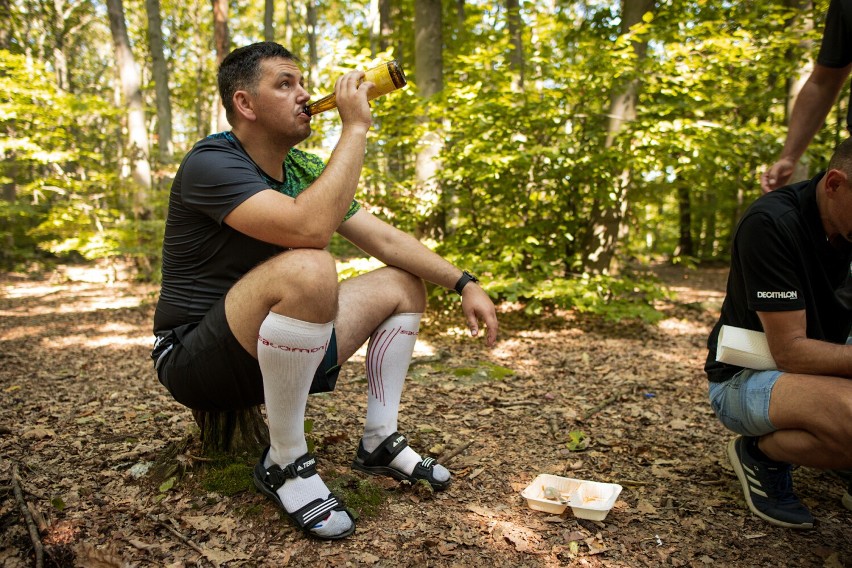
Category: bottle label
[382,79]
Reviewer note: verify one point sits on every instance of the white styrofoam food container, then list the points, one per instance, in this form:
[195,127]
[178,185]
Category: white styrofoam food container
[588,499]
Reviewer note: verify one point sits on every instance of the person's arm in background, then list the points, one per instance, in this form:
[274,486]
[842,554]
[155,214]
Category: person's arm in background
[812,106]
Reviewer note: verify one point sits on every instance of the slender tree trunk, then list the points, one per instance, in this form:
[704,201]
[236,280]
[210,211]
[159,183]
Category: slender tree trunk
[429,73]
[710,247]
[800,25]
[685,244]
[269,20]
[222,42]
[608,223]
[60,33]
[137,133]
[8,165]
[161,81]
[288,26]
[199,51]
[374,22]
[516,58]
[313,57]
[6,28]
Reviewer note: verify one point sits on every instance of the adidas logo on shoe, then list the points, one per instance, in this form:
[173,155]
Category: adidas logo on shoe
[398,441]
[305,465]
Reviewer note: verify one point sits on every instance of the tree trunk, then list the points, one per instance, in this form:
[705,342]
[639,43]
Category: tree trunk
[800,25]
[429,74]
[5,30]
[8,165]
[160,72]
[223,45]
[137,133]
[516,58]
[313,57]
[269,20]
[608,224]
[685,245]
[236,432]
[288,26]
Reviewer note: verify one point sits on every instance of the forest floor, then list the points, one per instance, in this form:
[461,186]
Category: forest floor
[83,418]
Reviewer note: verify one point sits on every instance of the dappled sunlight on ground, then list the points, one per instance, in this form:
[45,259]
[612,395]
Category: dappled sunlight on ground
[83,410]
[678,326]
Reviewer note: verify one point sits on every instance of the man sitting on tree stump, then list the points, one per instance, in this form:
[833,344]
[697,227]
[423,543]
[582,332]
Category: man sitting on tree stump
[250,309]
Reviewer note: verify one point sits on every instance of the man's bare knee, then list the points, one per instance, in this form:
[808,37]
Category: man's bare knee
[306,282]
[412,289]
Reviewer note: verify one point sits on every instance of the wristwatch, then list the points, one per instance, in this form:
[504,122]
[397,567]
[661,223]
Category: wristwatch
[465,278]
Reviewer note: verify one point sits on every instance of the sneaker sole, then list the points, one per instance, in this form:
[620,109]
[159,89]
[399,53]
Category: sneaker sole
[741,475]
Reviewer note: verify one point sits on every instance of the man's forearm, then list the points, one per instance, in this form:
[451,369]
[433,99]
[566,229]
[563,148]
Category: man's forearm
[812,106]
[330,195]
[814,357]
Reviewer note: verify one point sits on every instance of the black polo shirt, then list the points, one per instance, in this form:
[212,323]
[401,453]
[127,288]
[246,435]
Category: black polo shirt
[782,261]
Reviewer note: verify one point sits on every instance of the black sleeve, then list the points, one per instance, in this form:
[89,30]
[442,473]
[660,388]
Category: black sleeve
[836,48]
[216,180]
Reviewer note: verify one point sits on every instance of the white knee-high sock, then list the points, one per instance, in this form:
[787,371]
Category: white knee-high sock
[388,357]
[289,351]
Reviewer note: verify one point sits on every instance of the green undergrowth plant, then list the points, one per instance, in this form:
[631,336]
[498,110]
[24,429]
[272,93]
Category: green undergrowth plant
[610,297]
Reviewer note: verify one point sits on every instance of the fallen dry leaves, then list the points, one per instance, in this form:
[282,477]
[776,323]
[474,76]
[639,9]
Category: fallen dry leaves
[83,417]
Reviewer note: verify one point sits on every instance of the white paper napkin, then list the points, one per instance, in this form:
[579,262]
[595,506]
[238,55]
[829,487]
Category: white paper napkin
[744,348]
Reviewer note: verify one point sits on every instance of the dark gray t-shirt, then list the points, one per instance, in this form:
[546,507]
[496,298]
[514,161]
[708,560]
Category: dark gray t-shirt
[202,256]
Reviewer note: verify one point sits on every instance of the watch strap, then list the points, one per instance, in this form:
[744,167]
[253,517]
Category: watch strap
[462,282]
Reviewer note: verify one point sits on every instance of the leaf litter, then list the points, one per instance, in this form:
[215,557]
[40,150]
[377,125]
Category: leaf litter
[84,419]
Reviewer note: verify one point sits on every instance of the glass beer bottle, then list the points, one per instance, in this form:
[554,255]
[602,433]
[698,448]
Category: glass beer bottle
[386,77]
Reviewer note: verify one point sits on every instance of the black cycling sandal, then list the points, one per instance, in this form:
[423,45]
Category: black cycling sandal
[378,463]
[268,480]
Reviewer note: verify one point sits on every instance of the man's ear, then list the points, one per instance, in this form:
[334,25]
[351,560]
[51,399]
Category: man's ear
[243,105]
[834,179]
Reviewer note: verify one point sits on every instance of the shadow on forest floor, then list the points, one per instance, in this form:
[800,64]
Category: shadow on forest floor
[83,417]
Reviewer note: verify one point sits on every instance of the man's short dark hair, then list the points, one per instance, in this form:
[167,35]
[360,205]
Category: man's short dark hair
[842,157]
[240,70]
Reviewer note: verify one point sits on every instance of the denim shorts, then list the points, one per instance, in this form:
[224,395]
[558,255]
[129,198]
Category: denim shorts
[742,402]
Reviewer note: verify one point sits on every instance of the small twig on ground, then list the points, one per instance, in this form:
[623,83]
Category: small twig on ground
[178,534]
[445,459]
[511,403]
[25,511]
[600,406]
[198,458]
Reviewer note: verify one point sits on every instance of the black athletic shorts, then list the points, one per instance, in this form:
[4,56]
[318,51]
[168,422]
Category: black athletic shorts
[204,367]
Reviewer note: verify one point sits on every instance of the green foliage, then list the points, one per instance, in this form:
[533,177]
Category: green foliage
[614,298]
[57,159]
[525,173]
